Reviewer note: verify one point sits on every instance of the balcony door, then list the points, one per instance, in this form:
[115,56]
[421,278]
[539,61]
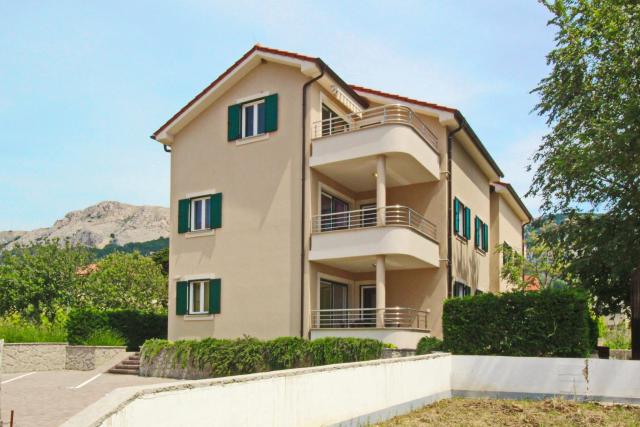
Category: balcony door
[332,206]
[368,305]
[333,296]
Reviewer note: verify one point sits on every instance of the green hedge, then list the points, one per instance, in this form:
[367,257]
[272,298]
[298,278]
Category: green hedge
[134,326]
[428,344]
[223,357]
[554,322]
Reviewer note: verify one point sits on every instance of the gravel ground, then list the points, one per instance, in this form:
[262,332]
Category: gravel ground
[488,412]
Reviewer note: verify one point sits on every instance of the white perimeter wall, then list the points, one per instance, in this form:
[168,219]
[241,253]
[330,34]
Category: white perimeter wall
[360,393]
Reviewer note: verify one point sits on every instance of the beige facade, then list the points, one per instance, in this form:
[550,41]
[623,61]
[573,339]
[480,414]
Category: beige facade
[374,151]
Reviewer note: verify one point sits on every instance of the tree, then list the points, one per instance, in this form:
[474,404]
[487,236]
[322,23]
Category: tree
[40,278]
[545,259]
[126,280]
[590,160]
[161,258]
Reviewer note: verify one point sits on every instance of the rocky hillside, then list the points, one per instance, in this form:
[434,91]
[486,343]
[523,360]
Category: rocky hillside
[99,225]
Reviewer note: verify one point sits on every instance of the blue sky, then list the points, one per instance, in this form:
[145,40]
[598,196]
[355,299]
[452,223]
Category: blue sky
[84,84]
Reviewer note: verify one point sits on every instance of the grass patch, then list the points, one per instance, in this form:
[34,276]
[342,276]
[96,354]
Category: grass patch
[13,331]
[490,412]
[104,337]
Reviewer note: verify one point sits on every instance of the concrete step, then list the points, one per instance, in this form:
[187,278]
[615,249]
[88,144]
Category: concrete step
[123,371]
[130,362]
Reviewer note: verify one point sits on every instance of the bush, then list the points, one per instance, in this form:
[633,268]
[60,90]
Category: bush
[427,345]
[135,327]
[104,337]
[13,329]
[552,322]
[223,357]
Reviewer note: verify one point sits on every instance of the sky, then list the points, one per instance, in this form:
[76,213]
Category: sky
[84,84]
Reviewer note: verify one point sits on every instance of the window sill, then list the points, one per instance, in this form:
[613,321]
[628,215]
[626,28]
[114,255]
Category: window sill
[462,239]
[196,317]
[201,233]
[249,140]
[481,251]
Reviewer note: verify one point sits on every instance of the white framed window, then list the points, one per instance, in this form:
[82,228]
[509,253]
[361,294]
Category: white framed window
[253,119]
[201,213]
[199,297]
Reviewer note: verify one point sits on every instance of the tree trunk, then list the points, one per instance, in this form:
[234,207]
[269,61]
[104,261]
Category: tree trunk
[635,314]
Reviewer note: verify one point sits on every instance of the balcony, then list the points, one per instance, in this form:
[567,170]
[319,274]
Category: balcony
[351,240]
[345,148]
[400,326]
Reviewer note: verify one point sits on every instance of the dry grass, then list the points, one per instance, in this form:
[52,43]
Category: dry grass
[489,412]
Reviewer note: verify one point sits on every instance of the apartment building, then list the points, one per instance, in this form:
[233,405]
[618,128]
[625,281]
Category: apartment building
[305,206]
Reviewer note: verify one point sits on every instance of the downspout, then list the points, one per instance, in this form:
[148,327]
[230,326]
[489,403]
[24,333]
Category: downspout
[166,148]
[304,194]
[449,212]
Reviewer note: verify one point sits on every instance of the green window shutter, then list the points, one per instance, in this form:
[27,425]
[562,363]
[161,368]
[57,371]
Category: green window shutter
[478,224]
[456,216]
[215,286]
[234,130]
[485,237]
[467,223]
[271,113]
[182,298]
[184,206]
[216,210]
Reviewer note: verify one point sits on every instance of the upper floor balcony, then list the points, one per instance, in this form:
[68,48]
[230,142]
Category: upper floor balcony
[352,240]
[345,148]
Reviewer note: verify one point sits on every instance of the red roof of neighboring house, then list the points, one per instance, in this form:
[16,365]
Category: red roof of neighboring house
[403,98]
[533,283]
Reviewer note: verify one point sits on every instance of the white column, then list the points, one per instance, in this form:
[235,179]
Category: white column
[381,188]
[380,290]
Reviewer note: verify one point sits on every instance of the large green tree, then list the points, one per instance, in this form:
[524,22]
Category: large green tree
[590,160]
[39,279]
[126,280]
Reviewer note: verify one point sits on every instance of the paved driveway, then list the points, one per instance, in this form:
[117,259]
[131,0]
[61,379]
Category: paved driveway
[50,398]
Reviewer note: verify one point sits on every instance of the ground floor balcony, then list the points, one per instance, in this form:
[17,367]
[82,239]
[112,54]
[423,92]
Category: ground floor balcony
[352,240]
[400,326]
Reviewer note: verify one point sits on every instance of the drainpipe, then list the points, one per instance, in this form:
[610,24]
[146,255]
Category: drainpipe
[449,213]
[304,193]
[166,148]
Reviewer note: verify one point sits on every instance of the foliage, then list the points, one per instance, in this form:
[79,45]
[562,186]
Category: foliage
[133,325]
[126,281]
[616,336]
[14,329]
[40,278]
[546,259]
[106,337]
[147,248]
[161,258]
[223,357]
[546,323]
[427,345]
[591,158]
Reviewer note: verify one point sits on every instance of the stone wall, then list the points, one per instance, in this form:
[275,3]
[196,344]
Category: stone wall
[27,357]
[87,358]
[164,366]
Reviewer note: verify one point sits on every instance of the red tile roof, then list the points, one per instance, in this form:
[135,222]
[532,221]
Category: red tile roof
[403,98]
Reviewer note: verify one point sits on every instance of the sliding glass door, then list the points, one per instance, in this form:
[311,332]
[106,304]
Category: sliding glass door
[333,297]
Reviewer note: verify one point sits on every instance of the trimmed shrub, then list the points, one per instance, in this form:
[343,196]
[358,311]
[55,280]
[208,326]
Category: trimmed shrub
[104,337]
[552,322]
[428,344]
[134,326]
[223,357]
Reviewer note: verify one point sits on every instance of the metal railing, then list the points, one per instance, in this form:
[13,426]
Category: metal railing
[389,317]
[384,216]
[385,114]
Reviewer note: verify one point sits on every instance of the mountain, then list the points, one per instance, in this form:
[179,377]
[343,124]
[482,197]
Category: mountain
[105,224]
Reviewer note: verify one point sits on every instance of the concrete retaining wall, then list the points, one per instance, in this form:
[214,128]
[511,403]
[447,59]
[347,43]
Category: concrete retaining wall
[27,357]
[537,377]
[87,358]
[354,394]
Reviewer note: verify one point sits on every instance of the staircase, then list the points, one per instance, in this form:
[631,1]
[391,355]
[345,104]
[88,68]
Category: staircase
[129,366]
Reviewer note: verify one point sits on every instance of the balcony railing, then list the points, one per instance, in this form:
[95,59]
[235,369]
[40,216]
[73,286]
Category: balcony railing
[394,317]
[385,114]
[384,216]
